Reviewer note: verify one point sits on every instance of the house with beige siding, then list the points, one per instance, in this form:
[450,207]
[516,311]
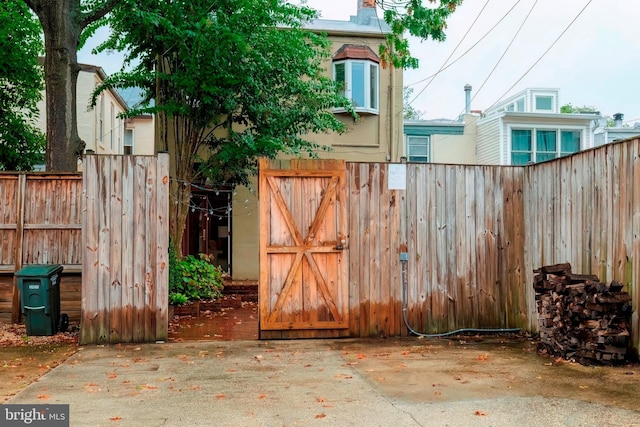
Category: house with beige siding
[230,229]
[441,140]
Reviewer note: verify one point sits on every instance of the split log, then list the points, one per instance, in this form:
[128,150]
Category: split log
[581,317]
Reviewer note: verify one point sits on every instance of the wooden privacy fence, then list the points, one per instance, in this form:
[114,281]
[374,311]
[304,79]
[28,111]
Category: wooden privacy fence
[585,210]
[111,225]
[462,228]
[125,235]
[474,234]
[40,223]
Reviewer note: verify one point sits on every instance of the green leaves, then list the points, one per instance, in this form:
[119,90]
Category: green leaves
[199,280]
[21,83]
[241,78]
[420,18]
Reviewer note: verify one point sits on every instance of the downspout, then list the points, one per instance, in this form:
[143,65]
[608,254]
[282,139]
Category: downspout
[392,114]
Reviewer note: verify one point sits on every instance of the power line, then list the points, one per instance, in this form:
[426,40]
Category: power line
[505,51]
[471,48]
[452,52]
[543,55]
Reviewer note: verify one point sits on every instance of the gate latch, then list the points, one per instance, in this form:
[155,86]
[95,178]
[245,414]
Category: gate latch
[341,245]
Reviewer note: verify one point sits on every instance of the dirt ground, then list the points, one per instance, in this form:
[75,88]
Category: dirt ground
[453,369]
[24,359]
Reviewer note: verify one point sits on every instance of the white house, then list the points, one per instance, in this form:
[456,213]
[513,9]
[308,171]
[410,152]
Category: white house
[529,128]
[605,134]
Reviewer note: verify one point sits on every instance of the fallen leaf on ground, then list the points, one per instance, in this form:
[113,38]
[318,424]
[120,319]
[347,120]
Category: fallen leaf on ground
[321,415]
[483,357]
[43,396]
[115,418]
[112,375]
[262,396]
[220,396]
[480,413]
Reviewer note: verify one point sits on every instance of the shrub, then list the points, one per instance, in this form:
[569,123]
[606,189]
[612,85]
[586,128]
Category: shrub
[176,298]
[175,276]
[194,279]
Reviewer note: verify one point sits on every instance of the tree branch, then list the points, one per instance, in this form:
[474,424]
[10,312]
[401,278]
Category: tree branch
[96,13]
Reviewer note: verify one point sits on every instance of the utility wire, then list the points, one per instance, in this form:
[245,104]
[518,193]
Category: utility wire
[471,48]
[541,56]
[539,59]
[505,51]
[452,52]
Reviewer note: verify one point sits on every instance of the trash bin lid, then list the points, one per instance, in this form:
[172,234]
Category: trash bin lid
[39,270]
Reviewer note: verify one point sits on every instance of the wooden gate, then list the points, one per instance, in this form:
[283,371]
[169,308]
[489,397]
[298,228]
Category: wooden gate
[303,249]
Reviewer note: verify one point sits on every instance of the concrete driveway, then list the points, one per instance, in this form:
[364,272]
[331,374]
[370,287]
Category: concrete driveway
[383,382]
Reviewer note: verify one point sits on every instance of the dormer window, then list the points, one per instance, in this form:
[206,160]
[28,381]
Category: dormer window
[544,103]
[356,71]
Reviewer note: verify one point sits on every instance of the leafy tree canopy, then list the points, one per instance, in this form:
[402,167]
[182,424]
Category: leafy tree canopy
[21,83]
[420,18]
[241,86]
[231,80]
[570,108]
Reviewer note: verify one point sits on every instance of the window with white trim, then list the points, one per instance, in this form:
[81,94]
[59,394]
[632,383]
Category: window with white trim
[418,148]
[517,106]
[539,145]
[544,102]
[358,80]
[128,141]
[113,126]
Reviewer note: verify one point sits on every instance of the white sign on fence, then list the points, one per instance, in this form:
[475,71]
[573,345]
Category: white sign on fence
[397,176]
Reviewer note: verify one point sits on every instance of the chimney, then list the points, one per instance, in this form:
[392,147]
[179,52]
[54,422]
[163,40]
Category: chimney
[366,4]
[467,98]
[617,119]
[366,12]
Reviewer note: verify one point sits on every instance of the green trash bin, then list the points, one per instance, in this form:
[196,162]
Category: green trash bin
[39,286]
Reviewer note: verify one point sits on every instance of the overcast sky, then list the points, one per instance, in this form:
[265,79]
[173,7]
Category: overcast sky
[596,62]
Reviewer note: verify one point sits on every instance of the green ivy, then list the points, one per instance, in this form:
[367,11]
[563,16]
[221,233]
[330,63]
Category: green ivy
[193,279]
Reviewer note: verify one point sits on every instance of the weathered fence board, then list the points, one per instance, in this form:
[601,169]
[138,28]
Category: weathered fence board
[585,210]
[474,234]
[39,224]
[125,233]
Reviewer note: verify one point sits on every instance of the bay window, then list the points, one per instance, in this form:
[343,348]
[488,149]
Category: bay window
[356,72]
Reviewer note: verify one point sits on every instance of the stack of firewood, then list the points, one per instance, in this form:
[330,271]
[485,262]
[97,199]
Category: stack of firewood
[581,318]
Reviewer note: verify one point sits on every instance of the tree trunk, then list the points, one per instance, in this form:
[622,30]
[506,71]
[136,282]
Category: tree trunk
[61,27]
[62,23]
